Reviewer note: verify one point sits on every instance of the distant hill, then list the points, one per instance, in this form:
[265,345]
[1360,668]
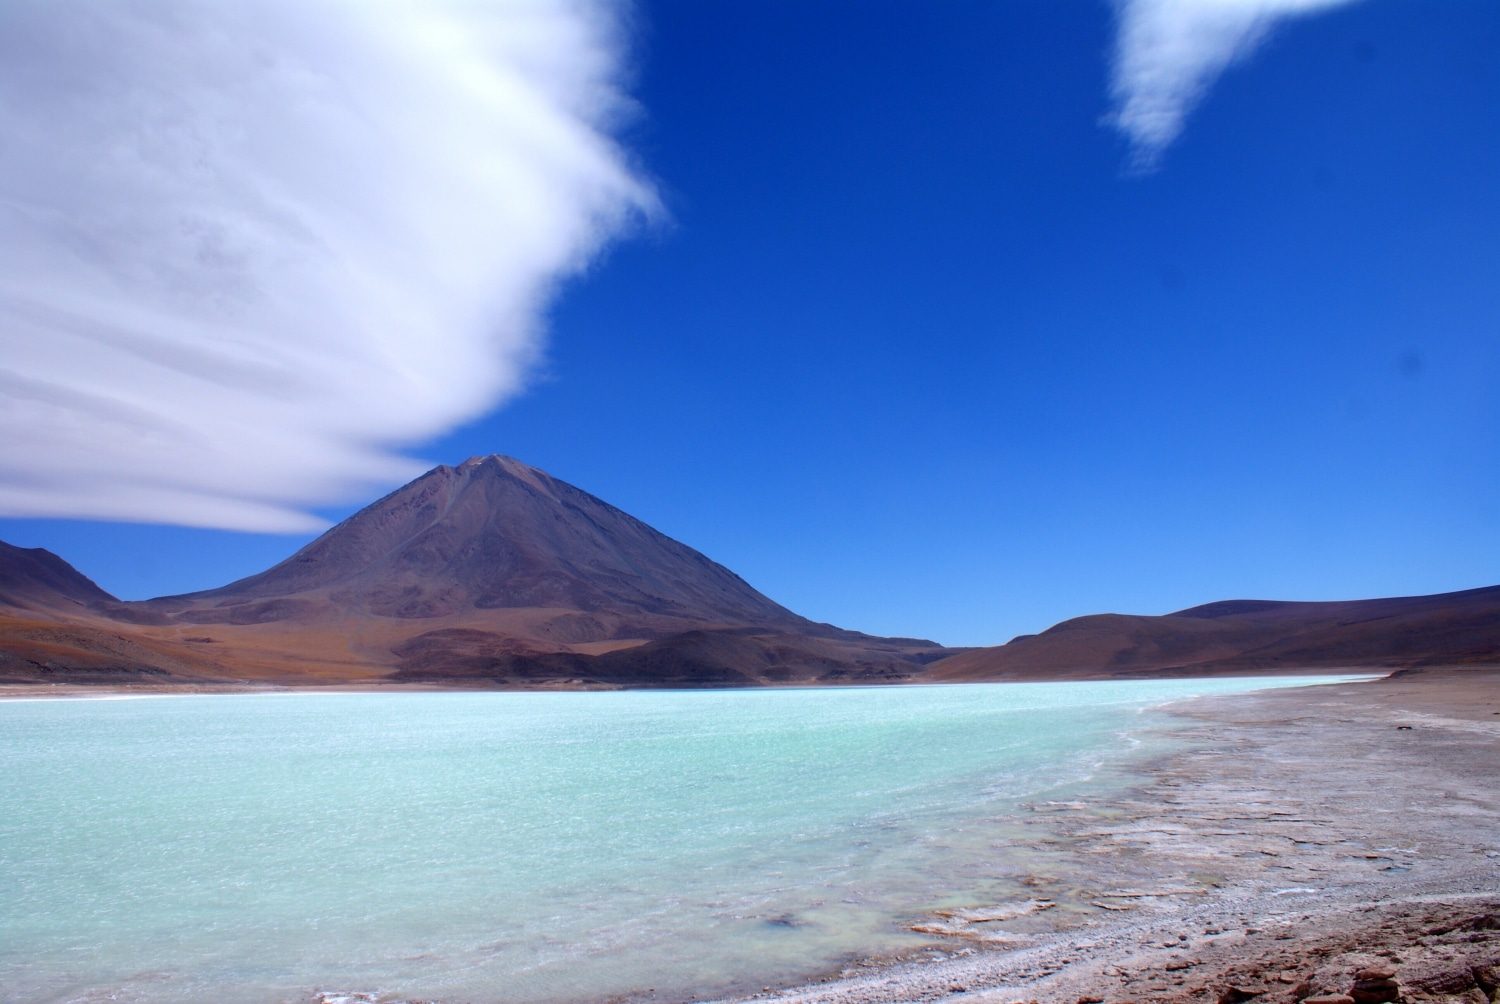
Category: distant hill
[38,580]
[494,573]
[1249,636]
[51,628]
[504,540]
[489,573]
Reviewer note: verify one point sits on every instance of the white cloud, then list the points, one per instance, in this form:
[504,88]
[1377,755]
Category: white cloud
[1167,53]
[250,250]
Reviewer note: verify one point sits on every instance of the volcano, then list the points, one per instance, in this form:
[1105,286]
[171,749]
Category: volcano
[491,572]
[496,574]
[494,539]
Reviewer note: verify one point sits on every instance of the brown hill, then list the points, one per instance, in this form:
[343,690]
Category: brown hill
[1250,636]
[37,580]
[51,628]
[492,572]
[496,535]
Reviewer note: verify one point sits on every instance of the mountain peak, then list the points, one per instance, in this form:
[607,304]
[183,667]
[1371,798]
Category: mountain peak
[35,578]
[490,465]
[488,571]
[495,534]
[494,461]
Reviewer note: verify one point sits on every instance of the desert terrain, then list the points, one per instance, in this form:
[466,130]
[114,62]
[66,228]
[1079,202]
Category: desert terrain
[1320,844]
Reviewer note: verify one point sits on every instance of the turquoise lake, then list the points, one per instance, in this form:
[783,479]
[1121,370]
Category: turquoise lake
[517,847]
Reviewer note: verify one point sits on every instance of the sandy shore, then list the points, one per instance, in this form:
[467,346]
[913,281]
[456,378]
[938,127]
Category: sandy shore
[1298,839]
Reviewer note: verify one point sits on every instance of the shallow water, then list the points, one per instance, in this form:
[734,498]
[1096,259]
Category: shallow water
[493,846]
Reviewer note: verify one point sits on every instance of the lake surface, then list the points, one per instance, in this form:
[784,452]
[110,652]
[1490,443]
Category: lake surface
[536,847]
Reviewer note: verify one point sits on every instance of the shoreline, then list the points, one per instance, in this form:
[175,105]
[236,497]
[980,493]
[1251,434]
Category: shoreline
[1265,842]
[1296,837]
[103,691]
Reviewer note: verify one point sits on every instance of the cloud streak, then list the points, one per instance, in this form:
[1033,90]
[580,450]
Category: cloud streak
[248,252]
[1168,52]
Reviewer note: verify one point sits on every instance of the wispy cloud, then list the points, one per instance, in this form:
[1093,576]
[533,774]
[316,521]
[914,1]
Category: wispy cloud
[249,251]
[1167,53]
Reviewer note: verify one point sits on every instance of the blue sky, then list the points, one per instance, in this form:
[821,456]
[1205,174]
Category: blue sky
[912,347]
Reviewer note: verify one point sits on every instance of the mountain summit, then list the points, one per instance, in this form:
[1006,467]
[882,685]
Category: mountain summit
[498,540]
[494,573]
[489,573]
[37,579]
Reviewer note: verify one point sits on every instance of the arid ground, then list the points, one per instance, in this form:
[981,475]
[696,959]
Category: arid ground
[1302,844]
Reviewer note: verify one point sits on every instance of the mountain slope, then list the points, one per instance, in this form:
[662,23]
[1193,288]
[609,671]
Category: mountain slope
[34,579]
[494,573]
[486,540]
[52,630]
[1250,635]
[489,573]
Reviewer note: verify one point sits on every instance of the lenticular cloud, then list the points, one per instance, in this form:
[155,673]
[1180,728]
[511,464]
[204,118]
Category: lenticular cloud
[1168,52]
[247,251]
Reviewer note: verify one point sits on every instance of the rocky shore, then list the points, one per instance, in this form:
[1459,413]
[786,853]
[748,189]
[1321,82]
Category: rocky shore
[1328,845]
